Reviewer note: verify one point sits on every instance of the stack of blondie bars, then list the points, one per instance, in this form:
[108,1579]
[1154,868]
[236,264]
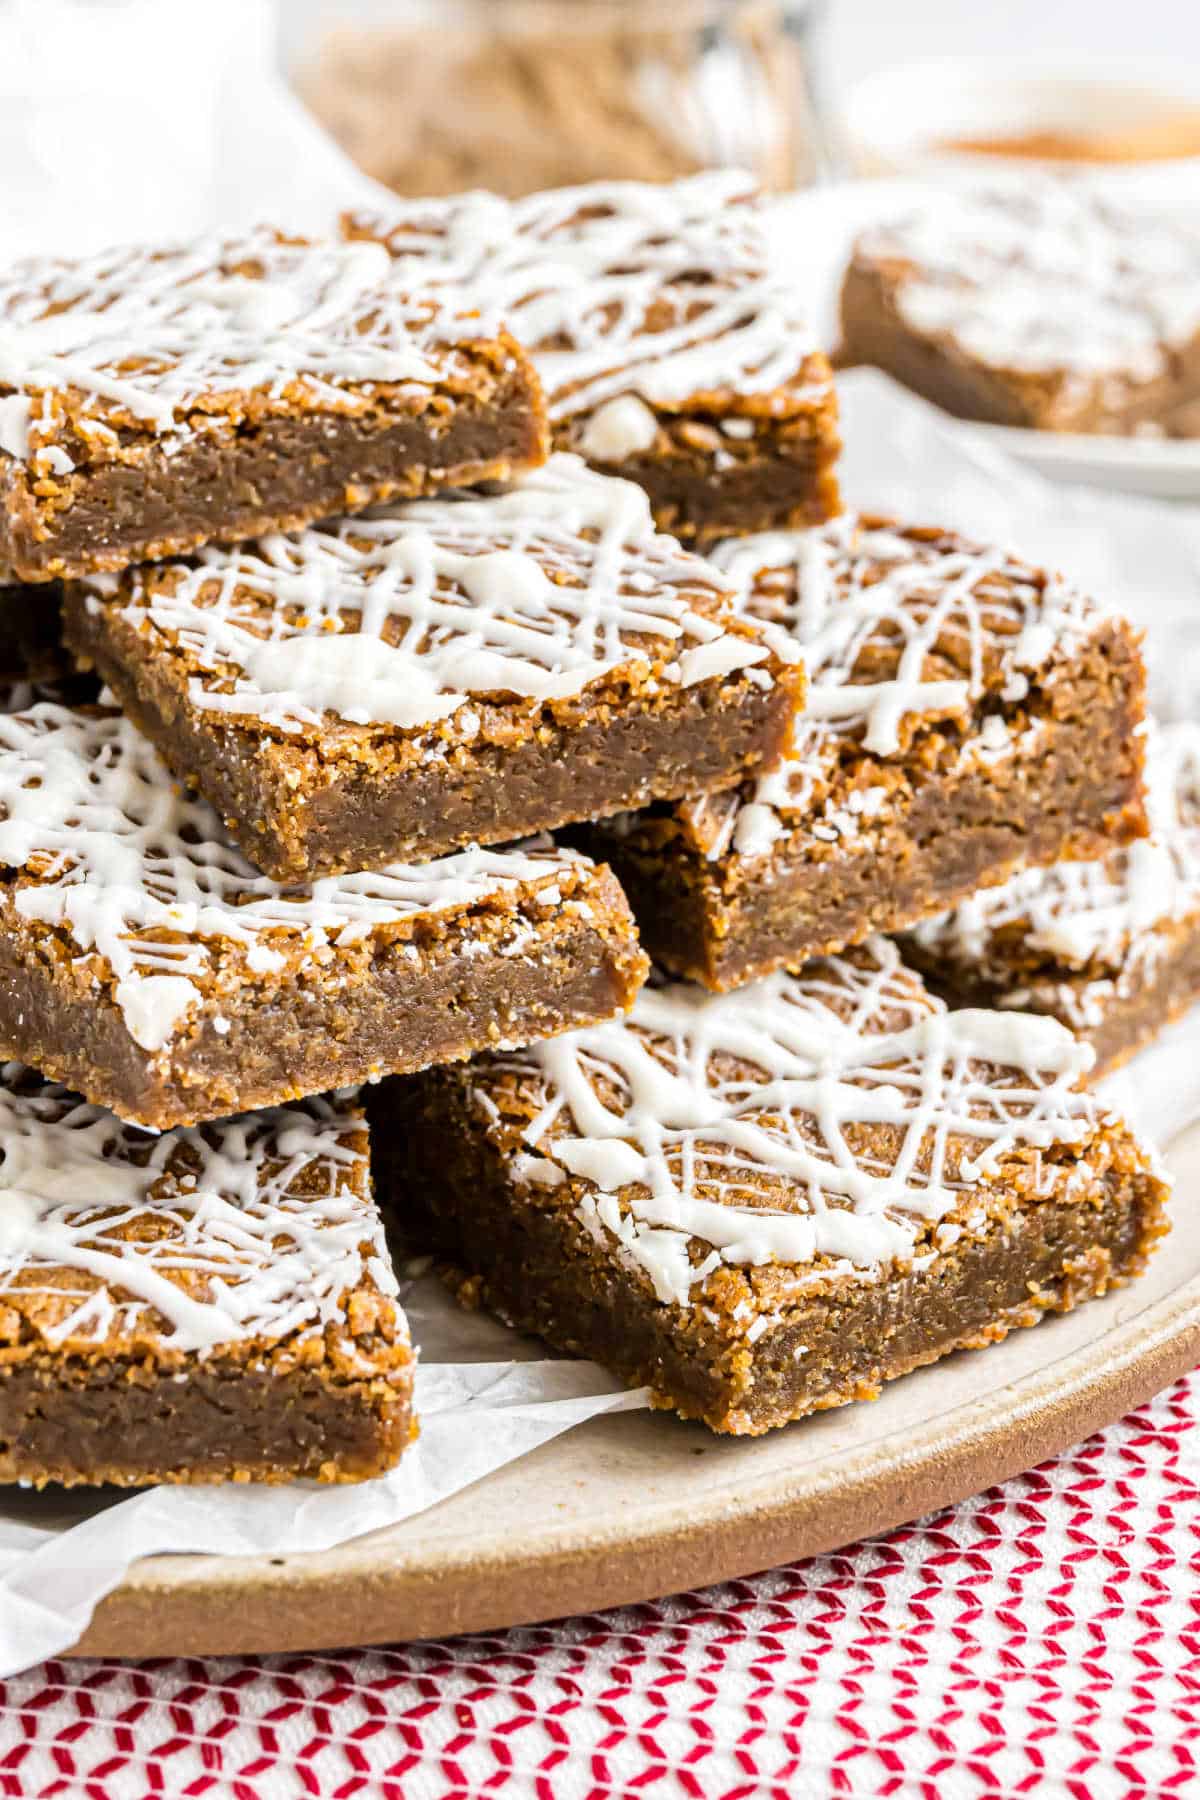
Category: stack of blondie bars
[413,634]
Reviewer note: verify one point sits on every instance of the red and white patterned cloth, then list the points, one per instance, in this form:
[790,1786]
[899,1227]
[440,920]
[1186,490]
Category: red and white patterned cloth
[1042,1639]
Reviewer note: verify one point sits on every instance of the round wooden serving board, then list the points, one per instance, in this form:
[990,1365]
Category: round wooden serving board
[638,1505]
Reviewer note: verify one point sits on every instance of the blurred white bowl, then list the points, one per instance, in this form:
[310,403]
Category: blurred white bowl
[902,120]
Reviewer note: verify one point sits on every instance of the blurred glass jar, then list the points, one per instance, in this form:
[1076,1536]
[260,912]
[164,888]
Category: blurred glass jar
[434,96]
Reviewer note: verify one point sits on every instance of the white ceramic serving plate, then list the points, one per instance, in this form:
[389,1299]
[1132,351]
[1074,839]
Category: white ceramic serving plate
[1167,468]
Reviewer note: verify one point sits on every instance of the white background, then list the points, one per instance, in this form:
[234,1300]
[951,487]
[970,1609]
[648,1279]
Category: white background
[863,35]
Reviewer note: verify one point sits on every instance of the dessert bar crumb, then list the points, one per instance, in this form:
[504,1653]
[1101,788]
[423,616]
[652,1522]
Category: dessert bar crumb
[769,1202]
[1032,302]
[208,1305]
[152,399]
[668,338]
[1110,948]
[470,669]
[967,714]
[145,963]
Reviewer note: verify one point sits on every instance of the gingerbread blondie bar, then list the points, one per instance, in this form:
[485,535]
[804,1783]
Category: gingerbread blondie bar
[464,670]
[967,714]
[209,1305]
[670,343]
[769,1202]
[146,964]
[1032,302]
[1110,948]
[152,400]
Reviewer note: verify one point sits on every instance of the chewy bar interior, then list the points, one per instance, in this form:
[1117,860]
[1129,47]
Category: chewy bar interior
[145,963]
[205,1305]
[1110,948]
[152,400]
[1035,303]
[967,715]
[671,347]
[769,1202]
[462,670]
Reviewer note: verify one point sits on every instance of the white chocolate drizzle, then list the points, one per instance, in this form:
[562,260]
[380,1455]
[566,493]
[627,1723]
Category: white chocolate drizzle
[663,291]
[403,615]
[103,847]
[259,1227]
[835,1114]
[149,336]
[1100,917]
[1045,276]
[900,630]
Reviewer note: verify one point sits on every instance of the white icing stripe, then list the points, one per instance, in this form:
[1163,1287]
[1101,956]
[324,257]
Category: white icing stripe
[620,428]
[402,615]
[251,1228]
[663,292]
[1042,276]
[149,334]
[680,1117]
[15,411]
[877,613]
[1091,914]
[108,849]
